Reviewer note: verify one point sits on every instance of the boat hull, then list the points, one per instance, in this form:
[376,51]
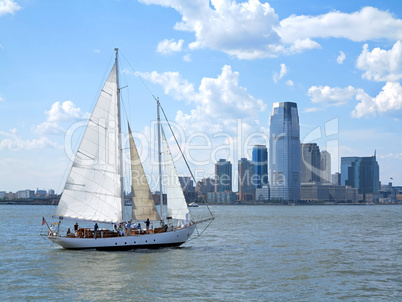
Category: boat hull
[148,241]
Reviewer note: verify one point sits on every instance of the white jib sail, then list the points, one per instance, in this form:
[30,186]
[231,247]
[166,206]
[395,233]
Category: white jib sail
[93,188]
[176,203]
[143,204]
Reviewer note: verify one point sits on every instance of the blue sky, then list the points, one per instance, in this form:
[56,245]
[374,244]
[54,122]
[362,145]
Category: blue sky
[217,68]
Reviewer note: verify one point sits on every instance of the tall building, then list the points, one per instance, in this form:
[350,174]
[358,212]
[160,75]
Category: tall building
[186,183]
[260,159]
[361,173]
[205,185]
[310,163]
[336,178]
[223,176]
[246,180]
[325,166]
[284,152]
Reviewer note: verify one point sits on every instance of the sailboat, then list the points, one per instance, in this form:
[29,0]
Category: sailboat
[94,191]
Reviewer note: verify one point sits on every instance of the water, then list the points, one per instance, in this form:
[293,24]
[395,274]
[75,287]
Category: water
[249,253]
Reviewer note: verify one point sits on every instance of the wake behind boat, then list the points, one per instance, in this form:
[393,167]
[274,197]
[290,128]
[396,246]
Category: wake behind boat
[94,189]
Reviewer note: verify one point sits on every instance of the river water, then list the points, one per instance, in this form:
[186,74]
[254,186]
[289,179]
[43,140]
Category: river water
[249,253]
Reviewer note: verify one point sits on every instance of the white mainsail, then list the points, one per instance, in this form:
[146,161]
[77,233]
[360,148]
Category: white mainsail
[93,187]
[143,204]
[176,203]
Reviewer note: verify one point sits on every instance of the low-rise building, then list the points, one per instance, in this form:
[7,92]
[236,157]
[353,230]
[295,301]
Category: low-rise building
[221,197]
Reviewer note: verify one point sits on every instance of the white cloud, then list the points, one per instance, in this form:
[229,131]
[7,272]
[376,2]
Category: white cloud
[336,96]
[368,24]
[169,46]
[1,98]
[219,101]
[12,141]
[341,57]
[301,45]
[59,113]
[380,64]
[187,58]
[251,29]
[388,102]
[281,74]
[173,84]
[245,30]
[312,109]
[8,7]
[290,83]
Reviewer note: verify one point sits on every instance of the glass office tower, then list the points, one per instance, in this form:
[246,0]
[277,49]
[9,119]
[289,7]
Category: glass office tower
[223,176]
[362,173]
[260,159]
[284,152]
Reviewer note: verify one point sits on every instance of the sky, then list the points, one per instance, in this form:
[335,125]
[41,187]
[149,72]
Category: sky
[217,67]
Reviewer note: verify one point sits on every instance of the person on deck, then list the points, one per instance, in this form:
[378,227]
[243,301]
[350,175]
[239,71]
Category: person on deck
[120,230]
[68,231]
[95,230]
[128,228]
[147,223]
[76,228]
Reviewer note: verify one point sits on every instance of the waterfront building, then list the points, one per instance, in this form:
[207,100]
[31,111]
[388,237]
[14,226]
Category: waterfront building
[260,159]
[40,193]
[362,173]
[223,176]
[186,183]
[284,152]
[205,185]
[327,192]
[325,166]
[262,194]
[336,178]
[11,195]
[221,197]
[310,163]
[25,194]
[2,194]
[246,180]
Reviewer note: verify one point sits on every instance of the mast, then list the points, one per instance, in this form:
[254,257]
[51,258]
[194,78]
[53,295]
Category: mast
[119,133]
[159,158]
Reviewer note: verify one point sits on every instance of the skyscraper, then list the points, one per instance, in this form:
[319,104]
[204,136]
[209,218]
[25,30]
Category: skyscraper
[325,166]
[260,159]
[284,152]
[205,185]
[310,162]
[361,173]
[223,176]
[246,180]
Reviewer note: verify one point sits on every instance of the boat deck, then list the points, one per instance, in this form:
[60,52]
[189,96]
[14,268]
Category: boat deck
[105,233]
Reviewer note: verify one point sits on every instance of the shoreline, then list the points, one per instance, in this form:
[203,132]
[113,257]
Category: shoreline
[55,201]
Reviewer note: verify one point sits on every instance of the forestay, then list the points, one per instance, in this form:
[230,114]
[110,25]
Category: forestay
[176,203]
[93,187]
[143,205]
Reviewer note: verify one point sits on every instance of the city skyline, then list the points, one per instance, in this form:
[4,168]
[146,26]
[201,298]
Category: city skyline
[217,67]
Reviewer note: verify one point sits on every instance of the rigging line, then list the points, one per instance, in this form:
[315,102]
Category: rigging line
[182,154]
[138,76]
[198,233]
